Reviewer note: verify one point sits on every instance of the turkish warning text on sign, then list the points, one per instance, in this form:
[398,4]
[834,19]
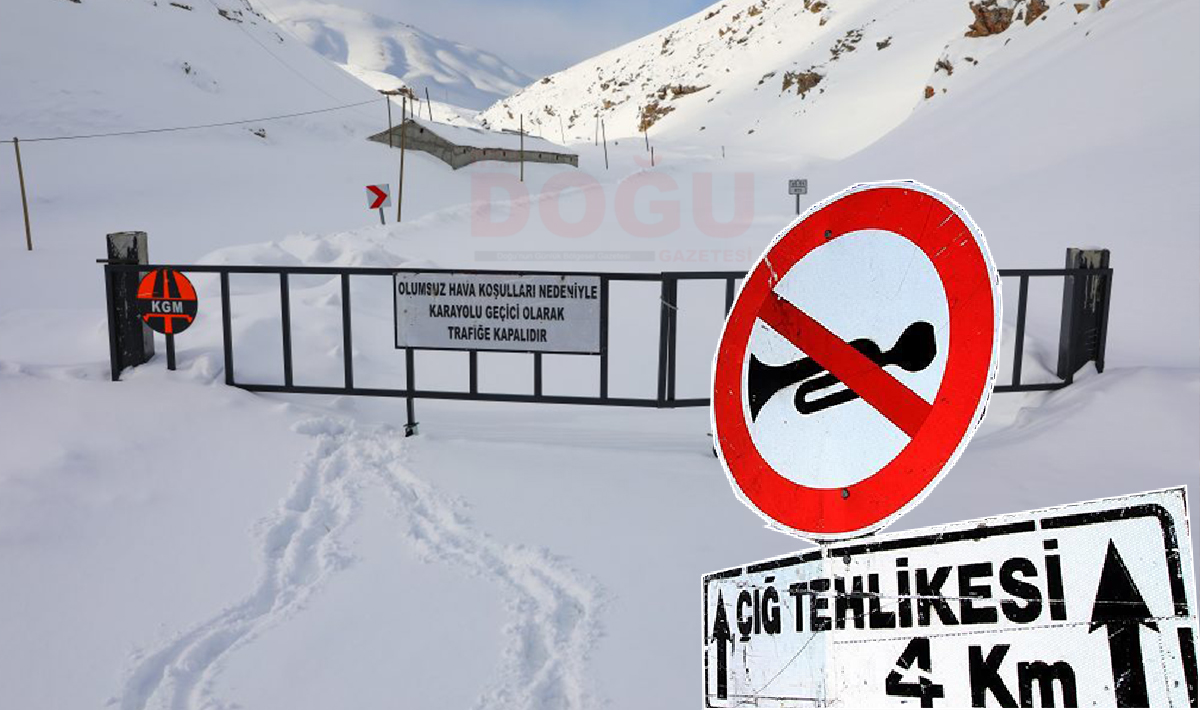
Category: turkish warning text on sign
[548,313]
[1088,605]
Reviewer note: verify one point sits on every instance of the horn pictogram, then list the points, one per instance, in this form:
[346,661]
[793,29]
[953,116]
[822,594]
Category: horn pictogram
[914,351]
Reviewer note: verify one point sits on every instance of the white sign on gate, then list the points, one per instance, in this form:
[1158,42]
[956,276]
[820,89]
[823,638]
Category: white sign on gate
[529,312]
[1087,605]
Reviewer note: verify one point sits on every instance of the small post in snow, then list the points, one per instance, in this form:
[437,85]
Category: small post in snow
[387,95]
[387,99]
[605,138]
[403,133]
[24,200]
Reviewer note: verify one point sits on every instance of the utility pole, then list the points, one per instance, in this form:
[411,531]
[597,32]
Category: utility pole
[429,103]
[24,200]
[522,147]
[387,100]
[387,96]
[604,136]
[403,133]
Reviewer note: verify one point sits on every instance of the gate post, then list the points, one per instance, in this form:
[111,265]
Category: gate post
[1086,299]
[131,343]
[410,383]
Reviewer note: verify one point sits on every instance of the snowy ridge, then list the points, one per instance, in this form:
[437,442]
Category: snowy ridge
[554,609]
[388,55]
[826,78]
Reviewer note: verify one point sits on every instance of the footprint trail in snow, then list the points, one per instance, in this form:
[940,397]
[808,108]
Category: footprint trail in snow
[555,609]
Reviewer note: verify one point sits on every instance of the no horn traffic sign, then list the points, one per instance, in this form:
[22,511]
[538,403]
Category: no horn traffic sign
[857,360]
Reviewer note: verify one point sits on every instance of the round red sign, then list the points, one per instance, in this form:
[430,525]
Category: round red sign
[166,301]
[857,360]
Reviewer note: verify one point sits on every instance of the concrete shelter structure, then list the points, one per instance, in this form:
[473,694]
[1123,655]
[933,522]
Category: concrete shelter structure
[458,145]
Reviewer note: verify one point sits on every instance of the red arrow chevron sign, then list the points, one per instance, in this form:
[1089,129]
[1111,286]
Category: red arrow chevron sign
[379,196]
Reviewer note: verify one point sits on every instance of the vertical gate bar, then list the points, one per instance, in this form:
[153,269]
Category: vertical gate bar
[112,324]
[728,295]
[663,325]
[226,328]
[673,334]
[285,314]
[1108,279]
[1019,347]
[473,361]
[1070,355]
[1073,294]
[603,337]
[537,374]
[410,383]
[347,341]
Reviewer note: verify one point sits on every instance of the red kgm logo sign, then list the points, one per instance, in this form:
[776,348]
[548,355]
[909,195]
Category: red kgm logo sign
[166,301]
[857,361]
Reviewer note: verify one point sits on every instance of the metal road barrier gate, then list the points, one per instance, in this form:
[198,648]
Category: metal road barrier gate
[1082,335]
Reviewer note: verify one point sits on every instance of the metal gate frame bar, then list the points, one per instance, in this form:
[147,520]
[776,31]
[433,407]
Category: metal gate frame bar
[667,336]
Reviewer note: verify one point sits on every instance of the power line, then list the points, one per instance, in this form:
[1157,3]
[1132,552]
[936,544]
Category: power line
[195,127]
[274,56]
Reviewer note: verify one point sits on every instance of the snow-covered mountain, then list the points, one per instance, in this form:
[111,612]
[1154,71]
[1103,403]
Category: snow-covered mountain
[168,541]
[825,76]
[387,54]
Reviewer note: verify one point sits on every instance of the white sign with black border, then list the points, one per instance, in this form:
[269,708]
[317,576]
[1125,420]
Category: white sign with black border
[1086,605]
[798,186]
[503,311]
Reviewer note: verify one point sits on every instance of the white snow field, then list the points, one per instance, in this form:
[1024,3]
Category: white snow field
[170,542]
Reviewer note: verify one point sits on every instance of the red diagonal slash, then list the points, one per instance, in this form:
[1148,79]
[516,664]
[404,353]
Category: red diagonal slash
[878,388]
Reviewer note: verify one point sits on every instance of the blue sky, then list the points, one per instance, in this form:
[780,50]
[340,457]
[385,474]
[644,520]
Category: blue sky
[536,36]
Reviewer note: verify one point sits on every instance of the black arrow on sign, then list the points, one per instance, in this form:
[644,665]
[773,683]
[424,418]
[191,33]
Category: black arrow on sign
[722,636]
[1121,609]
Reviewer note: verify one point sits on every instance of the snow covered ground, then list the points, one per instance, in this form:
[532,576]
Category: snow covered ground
[170,542]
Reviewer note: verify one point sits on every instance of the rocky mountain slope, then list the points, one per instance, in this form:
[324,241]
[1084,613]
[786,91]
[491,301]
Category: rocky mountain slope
[831,76]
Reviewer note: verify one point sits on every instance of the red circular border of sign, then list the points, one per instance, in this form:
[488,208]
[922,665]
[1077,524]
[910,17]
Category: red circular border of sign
[966,274]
